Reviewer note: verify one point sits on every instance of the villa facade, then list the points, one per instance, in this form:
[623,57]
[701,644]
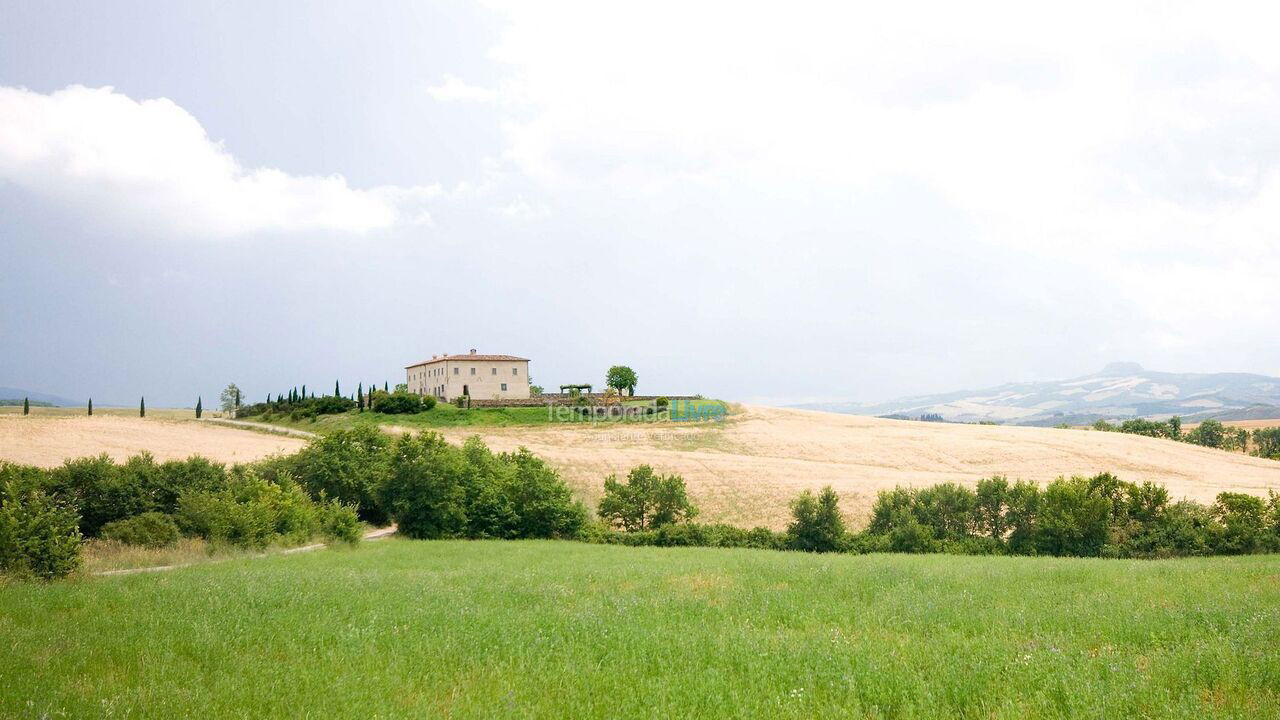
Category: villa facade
[484,377]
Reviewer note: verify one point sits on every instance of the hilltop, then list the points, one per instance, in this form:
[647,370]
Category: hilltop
[1118,391]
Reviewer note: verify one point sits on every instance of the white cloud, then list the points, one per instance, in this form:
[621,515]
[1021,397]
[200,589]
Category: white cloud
[150,164]
[456,90]
[1127,146]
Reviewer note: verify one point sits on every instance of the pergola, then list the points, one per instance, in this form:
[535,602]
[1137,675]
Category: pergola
[579,388]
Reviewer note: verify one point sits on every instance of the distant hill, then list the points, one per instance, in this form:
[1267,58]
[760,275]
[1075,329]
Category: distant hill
[8,393]
[1120,390]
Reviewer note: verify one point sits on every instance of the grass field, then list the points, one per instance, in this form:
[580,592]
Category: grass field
[446,415]
[554,629]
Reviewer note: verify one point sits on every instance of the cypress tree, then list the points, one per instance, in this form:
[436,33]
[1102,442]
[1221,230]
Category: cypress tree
[360,396]
[384,386]
[90,406]
[26,406]
[142,408]
[304,392]
[199,407]
[268,398]
[336,392]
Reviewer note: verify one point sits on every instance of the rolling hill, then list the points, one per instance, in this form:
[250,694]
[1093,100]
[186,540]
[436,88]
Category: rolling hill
[1118,391]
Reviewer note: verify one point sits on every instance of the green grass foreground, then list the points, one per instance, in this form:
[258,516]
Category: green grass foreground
[556,629]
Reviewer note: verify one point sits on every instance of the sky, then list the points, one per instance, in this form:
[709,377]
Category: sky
[763,202]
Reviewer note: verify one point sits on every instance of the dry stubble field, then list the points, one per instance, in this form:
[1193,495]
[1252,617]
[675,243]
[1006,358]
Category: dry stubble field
[50,435]
[742,471]
[745,470]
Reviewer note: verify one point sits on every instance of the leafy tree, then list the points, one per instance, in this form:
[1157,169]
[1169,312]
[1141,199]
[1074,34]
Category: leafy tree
[647,500]
[1210,433]
[947,509]
[991,507]
[1071,520]
[1243,520]
[346,465]
[816,523]
[425,487]
[230,399]
[1266,442]
[199,407]
[621,377]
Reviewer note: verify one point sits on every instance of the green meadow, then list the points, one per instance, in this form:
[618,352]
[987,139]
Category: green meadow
[555,629]
[447,415]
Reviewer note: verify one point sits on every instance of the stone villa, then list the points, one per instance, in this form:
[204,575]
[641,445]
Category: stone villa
[484,377]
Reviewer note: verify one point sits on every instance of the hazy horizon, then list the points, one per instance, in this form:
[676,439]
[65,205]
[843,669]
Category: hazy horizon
[821,203]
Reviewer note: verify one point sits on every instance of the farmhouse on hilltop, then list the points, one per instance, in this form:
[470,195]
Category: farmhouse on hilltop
[484,377]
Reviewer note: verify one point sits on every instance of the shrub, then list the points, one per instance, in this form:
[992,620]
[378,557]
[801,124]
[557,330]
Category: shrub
[816,523]
[1243,521]
[331,404]
[250,512]
[543,504]
[150,529]
[339,522]
[647,500]
[39,535]
[347,465]
[104,492]
[1209,433]
[1071,520]
[397,403]
[425,487]
[1266,442]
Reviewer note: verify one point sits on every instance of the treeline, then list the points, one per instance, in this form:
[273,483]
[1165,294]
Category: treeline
[1100,516]
[432,489]
[297,406]
[1209,433]
[46,514]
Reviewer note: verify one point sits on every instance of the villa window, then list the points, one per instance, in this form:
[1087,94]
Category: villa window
[515,371]
[504,387]
[473,371]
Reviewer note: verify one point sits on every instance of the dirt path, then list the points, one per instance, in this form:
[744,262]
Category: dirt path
[262,427]
[370,536]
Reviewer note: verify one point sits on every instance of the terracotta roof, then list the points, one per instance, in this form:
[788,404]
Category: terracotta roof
[471,358]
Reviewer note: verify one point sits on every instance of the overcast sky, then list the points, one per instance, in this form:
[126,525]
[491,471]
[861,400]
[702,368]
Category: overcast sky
[807,201]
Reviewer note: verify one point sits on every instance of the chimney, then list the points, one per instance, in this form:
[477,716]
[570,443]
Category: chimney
[473,351]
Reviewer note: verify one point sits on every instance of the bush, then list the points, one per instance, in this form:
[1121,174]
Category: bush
[1209,433]
[250,512]
[150,529]
[104,492]
[646,501]
[425,487]
[1266,442]
[347,465]
[39,535]
[339,522]
[1071,520]
[816,523]
[397,403]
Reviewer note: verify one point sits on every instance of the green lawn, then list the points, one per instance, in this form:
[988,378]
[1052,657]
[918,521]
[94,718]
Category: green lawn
[557,630]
